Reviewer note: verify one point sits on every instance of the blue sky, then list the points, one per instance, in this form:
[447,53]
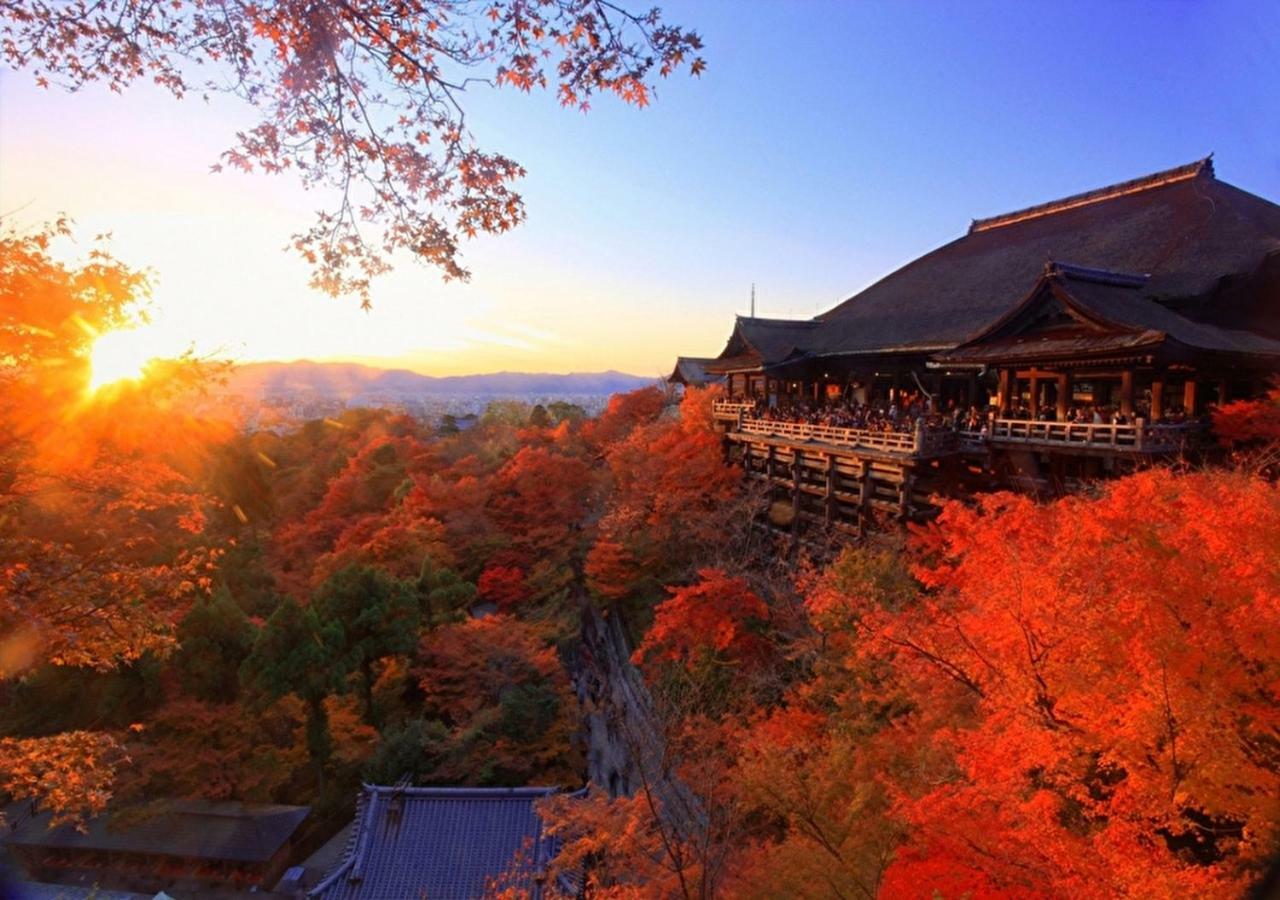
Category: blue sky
[826,144]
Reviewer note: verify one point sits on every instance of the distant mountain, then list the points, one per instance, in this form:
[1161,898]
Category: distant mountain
[351,380]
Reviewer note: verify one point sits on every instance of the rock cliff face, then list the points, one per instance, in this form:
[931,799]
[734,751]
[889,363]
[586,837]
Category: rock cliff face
[626,749]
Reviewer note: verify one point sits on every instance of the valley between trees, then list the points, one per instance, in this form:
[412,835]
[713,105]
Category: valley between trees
[1076,697]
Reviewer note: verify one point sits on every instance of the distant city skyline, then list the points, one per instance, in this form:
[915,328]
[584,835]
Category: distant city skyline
[810,173]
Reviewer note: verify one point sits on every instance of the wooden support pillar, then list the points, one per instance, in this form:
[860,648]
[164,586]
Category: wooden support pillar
[1064,396]
[1189,398]
[1035,396]
[831,489]
[1003,392]
[904,500]
[864,489]
[1157,398]
[796,469]
[1224,391]
[1126,393]
[971,389]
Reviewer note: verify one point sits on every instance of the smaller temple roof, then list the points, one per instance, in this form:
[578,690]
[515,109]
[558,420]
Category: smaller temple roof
[1081,311]
[187,829]
[692,371]
[440,843]
[757,343]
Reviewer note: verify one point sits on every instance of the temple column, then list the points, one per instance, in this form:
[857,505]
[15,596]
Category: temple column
[1126,393]
[1224,391]
[1035,395]
[1157,398]
[1002,394]
[1189,398]
[1064,396]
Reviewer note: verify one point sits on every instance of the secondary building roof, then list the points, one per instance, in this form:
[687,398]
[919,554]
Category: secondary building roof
[441,843]
[692,371]
[1078,313]
[187,829]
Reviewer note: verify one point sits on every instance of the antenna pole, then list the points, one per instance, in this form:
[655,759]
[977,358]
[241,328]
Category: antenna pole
[753,299]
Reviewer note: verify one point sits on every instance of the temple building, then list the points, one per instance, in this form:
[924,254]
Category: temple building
[197,845]
[1098,328]
[443,843]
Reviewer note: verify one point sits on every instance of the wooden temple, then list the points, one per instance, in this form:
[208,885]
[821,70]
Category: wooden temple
[1085,336]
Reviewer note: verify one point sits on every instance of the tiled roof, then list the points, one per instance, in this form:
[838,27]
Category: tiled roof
[692,370]
[189,829]
[1145,183]
[440,843]
[1188,232]
[1115,317]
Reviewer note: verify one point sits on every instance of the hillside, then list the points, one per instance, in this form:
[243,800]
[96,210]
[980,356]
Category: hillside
[347,380]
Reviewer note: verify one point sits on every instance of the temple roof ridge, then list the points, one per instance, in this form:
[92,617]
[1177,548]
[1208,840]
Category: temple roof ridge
[1097,195]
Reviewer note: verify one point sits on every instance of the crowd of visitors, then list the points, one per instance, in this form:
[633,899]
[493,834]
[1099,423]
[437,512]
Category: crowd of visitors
[908,411]
[904,413]
[1103,415]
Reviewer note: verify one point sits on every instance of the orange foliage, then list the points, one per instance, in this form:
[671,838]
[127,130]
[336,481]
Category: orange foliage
[71,773]
[1102,675]
[624,414]
[102,526]
[1249,421]
[503,585]
[538,500]
[719,616]
[500,687]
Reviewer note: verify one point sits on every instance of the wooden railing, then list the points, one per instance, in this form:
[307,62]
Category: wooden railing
[1138,437]
[731,409]
[928,443]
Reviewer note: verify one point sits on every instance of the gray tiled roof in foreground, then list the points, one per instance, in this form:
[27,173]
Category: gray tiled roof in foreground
[441,843]
[191,829]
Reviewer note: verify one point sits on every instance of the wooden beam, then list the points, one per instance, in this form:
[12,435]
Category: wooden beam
[830,509]
[1157,398]
[796,474]
[1126,393]
[1002,395]
[1035,395]
[1189,398]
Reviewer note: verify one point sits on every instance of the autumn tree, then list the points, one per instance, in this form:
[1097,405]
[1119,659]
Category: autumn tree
[213,640]
[365,99]
[717,620]
[1093,690]
[295,653]
[218,751]
[673,501]
[103,532]
[443,595]
[500,688]
[375,616]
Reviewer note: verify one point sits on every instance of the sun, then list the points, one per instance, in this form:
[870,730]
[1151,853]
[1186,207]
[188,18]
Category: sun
[120,356]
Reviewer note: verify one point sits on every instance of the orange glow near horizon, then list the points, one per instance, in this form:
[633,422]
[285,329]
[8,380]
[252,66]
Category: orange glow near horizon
[120,356]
